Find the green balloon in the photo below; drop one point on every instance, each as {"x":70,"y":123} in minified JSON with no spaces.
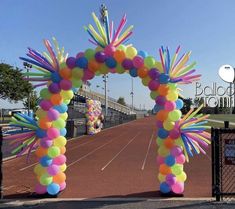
{"x":63,"y":65}
{"x":153,"y":94}
{"x":53,"y":152}
{"x":45,"y":94}
{"x":104,"y":69}
{"x":89,"y":53}
{"x":149,"y":62}
{"x":76,"y":83}
{"x":177,"y":169}
{"x":45,"y":179}
{"x":59,"y":123}
{"x":122,"y":47}
{"x":120,"y":69}
{"x":174,"y":115}
{"x":77,"y":73}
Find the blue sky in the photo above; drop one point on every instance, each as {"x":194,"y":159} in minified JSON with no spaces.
{"x":204,"y":27}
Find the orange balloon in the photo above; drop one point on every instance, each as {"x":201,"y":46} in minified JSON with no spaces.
{"x":40,"y":152}
{"x":169,"y":143}
{"x":93,"y":66}
{"x":119,"y":56}
{"x":62,"y":150}
{"x":56,"y":99}
{"x":65,"y":73}
{"x":163,"y":89}
{"x":162,"y":115}
{"x":142,"y":72}
{"x":44,"y":123}
{"x":164,"y":169}
{"x":59,"y":178}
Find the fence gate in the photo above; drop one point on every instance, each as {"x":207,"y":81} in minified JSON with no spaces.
{"x":223,"y":163}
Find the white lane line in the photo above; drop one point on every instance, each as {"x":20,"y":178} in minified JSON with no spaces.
{"x":79,"y":145}
{"x":145,"y":159}
{"x":22,"y":169}
{"x":119,"y":152}
{"x":84,"y":156}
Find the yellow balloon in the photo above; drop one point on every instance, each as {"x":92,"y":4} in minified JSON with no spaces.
{"x":60,"y":141}
{"x":64,"y":116}
{"x":163,"y":151}
{"x":161,"y":177}
{"x":131,"y":52}
{"x":168,"y":125}
{"x":172,"y":96}
{"x":67,"y":95}
{"x":39,"y":170}
{"x":63,"y":167}
{"x":181,"y":177}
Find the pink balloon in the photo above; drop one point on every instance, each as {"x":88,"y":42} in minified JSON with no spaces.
{"x":160,"y":100}
{"x":53,"y":114}
{"x":59,"y":160}
{"x":176,"y":151}
{"x":88,"y":75}
{"x":62,"y":186}
{"x":109,"y":50}
{"x":80,"y":54}
{"x":178,"y":187}
{"x":65,"y":84}
{"x":112,"y":70}
{"x":169,"y":105}
{"x":45,"y":105}
{"x":53,"y":133}
{"x":180,"y":159}
{"x":40,"y":189}
{"x":174,"y":134}
{"x":138,"y":61}
{"x":46,"y":142}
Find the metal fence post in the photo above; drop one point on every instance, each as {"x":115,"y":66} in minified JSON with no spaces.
{"x":213,"y":161}
{"x":1,"y":176}
{"x":217,"y":164}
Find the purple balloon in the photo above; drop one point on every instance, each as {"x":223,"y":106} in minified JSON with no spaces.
{"x":45,"y":105}
{"x":160,"y":100}
{"x":138,"y":61}
{"x":40,"y":189}
{"x":127,"y":64}
{"x":100,"y":57}
{"x":65,"y":84}
{"x":71,"y":62}
{"x":45,"y":142}
{"x":176,"y":151}
{"x":54,"y":88}
{"x":53,"y":114}
{"x":53,"y":169}
{"x":159,"y":124}
{"x":174,"y":134}
{"x":154,"y":73}
{"x":153,"y":85}
{"x":170,"y":179}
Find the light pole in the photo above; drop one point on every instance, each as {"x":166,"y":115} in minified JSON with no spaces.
{"x":132,"y":95}
{"x":27,"y":66}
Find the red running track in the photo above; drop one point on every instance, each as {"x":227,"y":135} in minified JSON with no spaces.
{"x":119,"y":161}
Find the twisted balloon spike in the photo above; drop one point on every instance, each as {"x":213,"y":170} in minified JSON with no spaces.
{"x":194,"y":136}
{"x":46,"y":63}
{"x":23,"y":141}
{"x":106,"y":34}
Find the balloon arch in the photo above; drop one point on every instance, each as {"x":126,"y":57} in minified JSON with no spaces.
{"x":177,"y":136}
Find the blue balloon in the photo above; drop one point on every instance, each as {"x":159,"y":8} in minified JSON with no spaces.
{"x":63,"y":131}
{"x":55,"y":77}
{"x":40,"y":133}
{"x":142,"y":53}
{"x":162,"y":133}
{"x":45,"y":161}
{"x":133,"y":72}
{"x":157,"y":108}
{"x":82,"y":62}
{"x":170,"y":160}
{"x":53,"y":188}
{"x":164,"y":187}
{"x":179,"y":104}
{"x":164,"y":78}
{"x":111,"y":62}
{"x":61,"y":108}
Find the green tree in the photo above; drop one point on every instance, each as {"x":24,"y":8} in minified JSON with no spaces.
{"x":121,"y":101}
{"x":12,"y":85}
{"x":34,"y":99}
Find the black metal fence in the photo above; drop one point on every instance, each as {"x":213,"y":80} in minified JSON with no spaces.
{"x":223,"y":163}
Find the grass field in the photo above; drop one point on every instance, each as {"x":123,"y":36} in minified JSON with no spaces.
{"x":223,"y":117}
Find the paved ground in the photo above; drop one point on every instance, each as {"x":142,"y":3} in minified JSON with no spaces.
{"x":118,"y":162}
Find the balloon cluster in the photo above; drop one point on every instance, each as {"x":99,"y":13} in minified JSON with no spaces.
{"x":63,"y":75}
{"x":93,"y":115}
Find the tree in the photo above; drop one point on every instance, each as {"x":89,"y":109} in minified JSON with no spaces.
{"x":34,"y":99}
{"x":12,"y":85}
{"x":187,"y":105}
{"x":121,"y":101}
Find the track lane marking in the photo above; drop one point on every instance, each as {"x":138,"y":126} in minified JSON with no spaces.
{"x":145,"y":159}
{"x":89,"y":153}
{"x":119,"y":152}
{"x":22,"y":169}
